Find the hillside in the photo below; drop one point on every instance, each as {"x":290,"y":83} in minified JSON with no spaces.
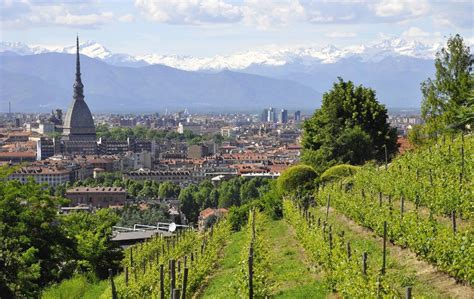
{"x":320,"y":249}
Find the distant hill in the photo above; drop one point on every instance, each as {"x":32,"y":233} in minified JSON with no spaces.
{"x":44,"y":81}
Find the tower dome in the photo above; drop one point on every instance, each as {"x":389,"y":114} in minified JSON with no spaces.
{"x":78,"y":123}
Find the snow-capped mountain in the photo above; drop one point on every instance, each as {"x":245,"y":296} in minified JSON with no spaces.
{"x":394,"y":68}
{"x":269,"y":56}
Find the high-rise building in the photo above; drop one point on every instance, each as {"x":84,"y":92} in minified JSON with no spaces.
{"x":297,"y":116}
{"x":283,"y":118}
{"x":79,"y":134}
{"x":271,"y":115}
{"x":264,"y":116}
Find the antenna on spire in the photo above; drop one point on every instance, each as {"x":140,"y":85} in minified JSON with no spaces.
{"x":78,"y":86}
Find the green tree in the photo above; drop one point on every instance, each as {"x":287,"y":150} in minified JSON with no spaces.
{"x":34,"y":250}
{"x":229,"y":193}
{"x":351,"y":127}
{"x":188,"y":203}
{"x":249,"y":191}
{"x":168,"y":190}
{"x":92,"y":233}
{"x":446,"y":99}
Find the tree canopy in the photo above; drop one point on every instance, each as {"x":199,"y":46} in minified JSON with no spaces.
{"x":447,"y":99}
{"x":350,"y":127}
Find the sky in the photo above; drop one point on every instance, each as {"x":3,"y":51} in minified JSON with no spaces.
{"x":218,"y":27}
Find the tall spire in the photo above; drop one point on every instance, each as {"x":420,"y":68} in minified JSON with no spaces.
{"x":78,"y":86}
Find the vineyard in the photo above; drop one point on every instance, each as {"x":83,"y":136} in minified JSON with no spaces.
{"x":402,"y":230}
{"x":408,"y":195}
{"x":173,"y":267}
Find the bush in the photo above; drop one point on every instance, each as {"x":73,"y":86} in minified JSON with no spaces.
{"x":296,"y":178}
{"x":339,"y":172}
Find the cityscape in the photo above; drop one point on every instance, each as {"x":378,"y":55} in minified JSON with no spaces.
{"x":256,"y":174}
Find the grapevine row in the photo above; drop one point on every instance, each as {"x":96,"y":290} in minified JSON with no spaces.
{"x":344,"y":270}
{"x":452,"y":252}
{"x":437,"y":176}
{"x":156,"y":268}
{"x":252,"y":278}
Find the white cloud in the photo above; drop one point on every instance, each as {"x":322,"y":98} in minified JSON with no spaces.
{"x":394,"y":8}
{"x":265,"y":14}
{"x":189,"y":11}
{"x":126,"y":18}
{"x":26,"y":13}
{"x":415,"y":32}
{"x":340,"y":34}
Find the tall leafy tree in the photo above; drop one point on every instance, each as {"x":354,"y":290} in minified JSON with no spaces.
{"x":188,"y":203}
{"x":34,"y":250}
{"x":350,"y":127}
{"x":447,"y":103}
{"x":168,"y":190}
{"x":92,"y":233}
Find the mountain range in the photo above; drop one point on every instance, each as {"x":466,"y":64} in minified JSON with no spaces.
{"x":294,"y":77}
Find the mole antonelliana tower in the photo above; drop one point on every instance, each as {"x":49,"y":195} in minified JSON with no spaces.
{"x":79,"y":134}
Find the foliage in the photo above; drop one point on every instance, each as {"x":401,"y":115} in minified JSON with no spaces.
{"x":34,"y":251}
{"x":339,"y":172}
{"x":428,"y":238}
{"x":447,"y":104}
{"x":298,"y":177}
{"x":140,"y":132}
{"x":132,"y":214}
{"x":351,"y":127}
{"x":77,"y":287}
{"x":187,"y":203}
{"x":437,"y":176}
{"x":91,"y":233}
{"x":328,"y":249}
{"x":143,"y":262}
{"x":168,"y":190}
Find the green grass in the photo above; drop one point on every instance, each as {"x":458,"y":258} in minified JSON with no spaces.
{"x":289,"y":269}
{"x":289,"y":272}
{"x":77,"y":287}
{"x":220,"y":285}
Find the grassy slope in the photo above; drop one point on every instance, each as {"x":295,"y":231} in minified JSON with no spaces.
{"x":290,"y":273}
{"x":220,"y":285}
{"x":76,"y":287}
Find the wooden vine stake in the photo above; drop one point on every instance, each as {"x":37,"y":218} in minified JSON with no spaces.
{"x":408,"y":294}
{"x":384,"y":258}
{"x":112,"y":284}
{"x":327,"y":207}
{"x":126,"y":276}
{"x":349,"y":253}
{"x":380,"y":199}
{"x":453,"y":217}
{"x":185,"y":282}
{"x":402,"y":205}
{"x":172,"y":278}
{"x":251,"y":271}
{"x":386,"y":157}
{"x":175,"y":294}
{"x":364,"y":263}
{"x":162,"y":282}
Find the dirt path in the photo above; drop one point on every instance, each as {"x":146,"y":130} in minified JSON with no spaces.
{"x":425,"y":272}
